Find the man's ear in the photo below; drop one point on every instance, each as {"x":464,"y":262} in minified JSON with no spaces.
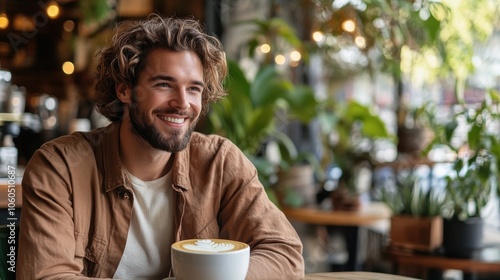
{"x":123,"y":92}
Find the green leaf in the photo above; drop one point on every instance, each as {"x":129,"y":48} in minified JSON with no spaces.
{"x":356,"y":111}
{"x":449,"y":130}
{"x":474,"y":136}
{"x":374,"y":127}
{"x":268,"y":87}
{"x":433,"y":27}
{"x":303,"y":103}
{"x":287,"y":148}
{"x":236,"y":83}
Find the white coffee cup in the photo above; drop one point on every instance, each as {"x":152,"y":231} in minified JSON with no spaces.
{"x":210,"y":259}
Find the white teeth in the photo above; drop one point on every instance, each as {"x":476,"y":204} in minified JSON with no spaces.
{"x":174,"y":120}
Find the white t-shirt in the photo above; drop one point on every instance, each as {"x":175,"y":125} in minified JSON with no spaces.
{"x":147,"y":252}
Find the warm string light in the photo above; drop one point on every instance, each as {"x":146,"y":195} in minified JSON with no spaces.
{"x":53,"y":10}
{"x":295,"y":56}
{"x":4,"y":21}
{"x":68,"y":68}
{"x":265,"y":48}
{"x":360,"y":42}
{"x":318,"y":36}
{"x":280,"y":59}
{"x":348,"y":26}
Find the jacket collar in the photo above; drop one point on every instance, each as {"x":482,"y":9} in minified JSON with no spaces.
{"x":108,"y":152}
{"x":107,"y":145}
{"x":180,"y":168}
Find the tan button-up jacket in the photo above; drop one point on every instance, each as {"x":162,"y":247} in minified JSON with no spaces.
{"x":77,"y":204}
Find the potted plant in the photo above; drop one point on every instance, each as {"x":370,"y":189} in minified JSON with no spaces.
{"x":350,"y":130}
{"x":473,"y":177}
{"x":416,"y":222}
{"x":253,"y":114}
{"x":415,"y":133}
{"x":469,"y":187}
{"x":248,"y":117}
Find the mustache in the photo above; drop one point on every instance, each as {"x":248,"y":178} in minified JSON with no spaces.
{"x":182,"y":113}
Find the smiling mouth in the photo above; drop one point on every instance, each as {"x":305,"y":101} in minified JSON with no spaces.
{"x":172,"y":120}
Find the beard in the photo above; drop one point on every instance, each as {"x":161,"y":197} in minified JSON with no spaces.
{"x":174,"y":142}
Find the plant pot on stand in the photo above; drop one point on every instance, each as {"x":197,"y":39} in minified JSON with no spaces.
{"x":462,"y":238}
{"x":423,"y":234}
{"x":344,"y":199}
{"x":296,"y":186}
{"x":413,"y":140}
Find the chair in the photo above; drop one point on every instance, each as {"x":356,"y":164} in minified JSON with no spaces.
{"x":8,"y":251}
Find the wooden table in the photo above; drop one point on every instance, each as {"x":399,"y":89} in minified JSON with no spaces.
{"x":346,"y":222}
{"x":354,"y":276}
{"x":485,"y":260}
{"x":369,"y":214}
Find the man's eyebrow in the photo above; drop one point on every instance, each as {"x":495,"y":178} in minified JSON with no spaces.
{"x":172,"y":79}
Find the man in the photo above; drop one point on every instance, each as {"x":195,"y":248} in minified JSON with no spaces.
{"x":110,"y":202}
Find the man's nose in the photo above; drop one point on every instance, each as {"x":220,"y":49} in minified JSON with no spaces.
{"x":180,"y":99}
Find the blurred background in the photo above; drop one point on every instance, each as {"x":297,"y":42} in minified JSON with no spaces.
{"x":326,"y":97}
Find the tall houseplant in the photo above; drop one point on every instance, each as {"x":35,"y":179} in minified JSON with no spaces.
{"x":349,"y":130}
{"x":248,"y":117}
{"x":473,"y":178}
{"x":258,"y":106}
{"x":472,"y":134}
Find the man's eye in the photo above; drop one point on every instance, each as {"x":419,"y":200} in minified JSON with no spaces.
{"x":163,"y":85}
{"x":197,"y":89}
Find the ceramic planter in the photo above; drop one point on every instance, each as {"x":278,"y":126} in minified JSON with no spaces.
{"x":299,"y":180}
{"x":462,"y":238}
{"x":413,"y":140}
{"x":344,"y":200}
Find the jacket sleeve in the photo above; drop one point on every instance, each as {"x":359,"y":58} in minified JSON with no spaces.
{"x":47,"y":237}
{"x":247,"y":214}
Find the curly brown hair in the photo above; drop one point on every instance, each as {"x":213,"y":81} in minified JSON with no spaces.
{"x":124,"y":59}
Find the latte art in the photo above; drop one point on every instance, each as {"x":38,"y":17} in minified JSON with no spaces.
{"x":210,"y":259}
{"x":207,"y":245}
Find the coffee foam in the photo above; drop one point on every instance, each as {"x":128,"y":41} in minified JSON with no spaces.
{"x":209,"y":245}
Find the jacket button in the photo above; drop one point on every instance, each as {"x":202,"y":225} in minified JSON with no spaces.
{"x":123,"y":193}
